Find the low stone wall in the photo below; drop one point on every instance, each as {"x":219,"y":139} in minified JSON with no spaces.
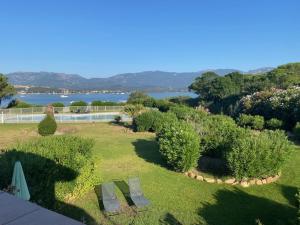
{"x":232,"y":181}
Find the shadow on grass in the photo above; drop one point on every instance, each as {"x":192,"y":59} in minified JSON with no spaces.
{"x":289,"y":193}
{"x":41,"y":175}
{"x":169,"y":219}
{"x":148,"y":150}
{"x":124,"y":188}
{"x":238,"y":207}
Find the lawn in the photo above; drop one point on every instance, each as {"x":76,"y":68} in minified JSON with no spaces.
{"x":176,"y":199}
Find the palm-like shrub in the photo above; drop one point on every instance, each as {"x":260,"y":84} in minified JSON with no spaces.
{"x":258,"y":155}
{"x":179,"y":145}
{"x":47,"y":126}
{"x":133,"y":110}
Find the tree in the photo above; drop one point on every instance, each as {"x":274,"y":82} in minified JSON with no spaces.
{"x":6,"y":90}
{"x":139,"y":97}
{"x":133,"y":110}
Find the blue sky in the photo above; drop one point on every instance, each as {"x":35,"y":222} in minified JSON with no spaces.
{"x":101,"y":38}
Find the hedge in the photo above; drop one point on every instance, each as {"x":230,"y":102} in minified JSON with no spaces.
{"x":57,"y":168}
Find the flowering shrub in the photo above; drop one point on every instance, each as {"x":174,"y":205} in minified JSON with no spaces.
{"x":274,"y":103}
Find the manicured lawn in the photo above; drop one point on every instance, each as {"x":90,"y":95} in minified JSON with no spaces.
{"x":176,"y":199}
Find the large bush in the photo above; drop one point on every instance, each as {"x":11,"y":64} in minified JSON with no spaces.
{"x":258,"y":155}
{"x":217,"y":133}
{"x":253,"y":122}
{"x":179,"y":145}
{"x":47,"y":126}
{"x":56,"y":168}
{"x":274,"y":124}
{"x":152,"y":121}
{"x":187,"y":113}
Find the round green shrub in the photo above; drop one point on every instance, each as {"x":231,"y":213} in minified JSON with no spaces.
{"x":179,"y":145}
{"x":57,"y":168}
{"x":152,"y":121}
{"x":274,"y":124}
{"x":58,"y":104}
{"x":144,"y":121}
{"x":253,"y":122}
{"x":217,"y":133}
{"x":47,"y":126}
{"x":258,"y":155}
{"x":79,"y":103}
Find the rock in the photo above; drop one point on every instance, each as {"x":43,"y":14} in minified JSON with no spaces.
{"x":186,"y":173}
{"x":264,"y":181}
{"x":244,"y":184}
{"x":199,"y":178}
{"x":269,"y":180}
{"x":276,"y":177}
{"x":252,"y":182}
{"x":235,"y":183}
{"x":219,"y":181}
{"x":209,"y":180}
{"x":190,"y":174}
{"x":230,"y":181}
{"x":259,"y":182}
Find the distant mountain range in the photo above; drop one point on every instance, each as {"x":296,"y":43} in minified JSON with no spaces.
{"x":147,"y":81}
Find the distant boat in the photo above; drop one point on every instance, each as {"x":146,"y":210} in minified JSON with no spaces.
{"x":64,"y":96}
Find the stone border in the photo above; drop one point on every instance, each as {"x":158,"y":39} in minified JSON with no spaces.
{"x":233,"y":181}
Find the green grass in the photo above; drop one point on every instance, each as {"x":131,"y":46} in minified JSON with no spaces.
{"x":176,"y":199}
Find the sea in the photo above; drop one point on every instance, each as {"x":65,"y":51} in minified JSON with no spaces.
{"x":45,"y":99}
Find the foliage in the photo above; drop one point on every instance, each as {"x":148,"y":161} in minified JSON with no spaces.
{"x":179,"y":145}
{"x":217,"y":132}
{"x":139,"y":97}
{"x":221,"y":93}
{"x":274,"y":103}
{"x":297,"y":130}
{"x":79,"y":103}
{"x":187,"y":113}
{"x":163,"y":105}
{"x":6,"y":90}
{"x":133,"y":110}
{"x":15,"y":103}
{"x":258,"y":155}
{"x":58,"y":104}
{"x":253,"y":122}
{"x":103,"y":103}
{"x":47,"y":126}
{"x":152,"y":120}
{"x":274,"y":124}
{"x":56,"y":168}
{"x":185,"y":100}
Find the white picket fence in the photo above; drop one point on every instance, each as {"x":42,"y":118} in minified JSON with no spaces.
{"x":63,"y":114}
